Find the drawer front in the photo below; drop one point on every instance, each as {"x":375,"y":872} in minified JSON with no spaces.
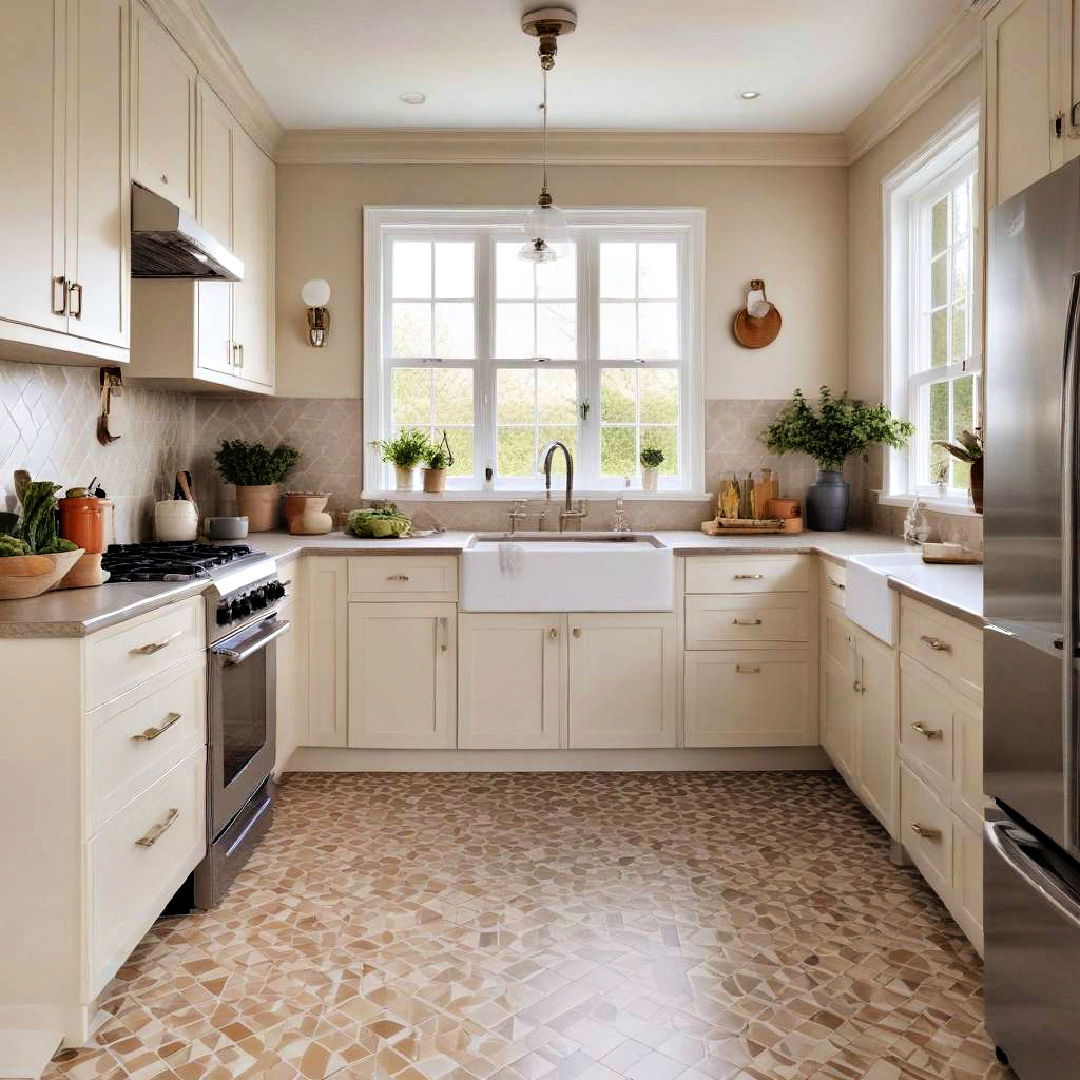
{"x":926,"y":722}
{"x":838,"y":638}
{"x":926,"y":830}
{"x":750,"y":699}
{"x":124,"y":656}
{"x":741,"y":574}
{"x":139,"y":859}
{"x":943,"y":644}
{"x":139,"y":737}
{"x":833,"y":582}
{"x":412,"y":577}
{"x":714,"y":622}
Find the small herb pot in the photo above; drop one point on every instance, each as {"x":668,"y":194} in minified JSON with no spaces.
{"x":259,"y":504}
{"x":434,"y":481}
{"x":650,"y":477}
{"x":403,"y":475}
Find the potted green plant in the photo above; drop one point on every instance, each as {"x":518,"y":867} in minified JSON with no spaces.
{"x":968,"y":448}
{"x":257,"y":471}
{"x":438,"y":457}
{"x":838,"y":428}
{"x":405,"y":451}
{"x":651,"y":458}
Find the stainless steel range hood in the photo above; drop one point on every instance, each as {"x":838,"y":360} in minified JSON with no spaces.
{"x":167,"y":242}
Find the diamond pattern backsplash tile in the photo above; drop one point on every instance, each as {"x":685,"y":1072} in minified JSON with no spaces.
{"x":48,"y":418}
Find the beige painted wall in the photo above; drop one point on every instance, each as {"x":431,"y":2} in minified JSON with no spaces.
{"x":866,"y":252}
{"x":785,"y":224}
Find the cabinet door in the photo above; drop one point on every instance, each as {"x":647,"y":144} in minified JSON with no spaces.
{"x":512,"y":685}
{"x":215,"y":189}
{"x":33,"y":69}
{"x":403,"y":675}
{"x":163,"y":112}
{"x":326,"y":608}
{"x":1022,"y":95}
{"x":253,"y":238}
{"x":876,"y":765}
{"x":1071,"y":63}
{"x":838,"y":716}
{"x":622,"y":680}
{"x":99,"y":186}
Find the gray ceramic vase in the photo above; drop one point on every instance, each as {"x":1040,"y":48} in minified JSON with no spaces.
{"x":827,"y":501}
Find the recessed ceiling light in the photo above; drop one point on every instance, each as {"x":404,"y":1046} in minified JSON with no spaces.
{"x":748,"y":95}
{"x":414,"y":97}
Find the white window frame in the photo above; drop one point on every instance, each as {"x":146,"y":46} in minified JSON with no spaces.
{"x":907,"y":192}
{"x":589,"y":227}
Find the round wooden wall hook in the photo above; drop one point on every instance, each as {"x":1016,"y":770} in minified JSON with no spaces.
{"x":757,"y":324}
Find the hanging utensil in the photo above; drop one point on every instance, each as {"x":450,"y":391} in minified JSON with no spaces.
{"x":110,"y":380}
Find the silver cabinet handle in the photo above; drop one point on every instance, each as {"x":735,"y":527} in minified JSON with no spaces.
{"x":749,"y":577}
{"x":398,"y":577}
{"x":241,"y":348}
{"x":930,"y":733}
{"x":159,"y":830}
{"x":926,"y":832}
{"x":553,"y":633}
{"x":75,"y":292}
{"x":152,"y":733}
{"x":837,"y":584}
{"x":935,"y":643}
{"x":152,"y":647}
{"x":747,"y":669}
{"x":746,"y":622}
{"x":234,"y":353}
{"x":444,"y":634}
{"x":60,"y":294}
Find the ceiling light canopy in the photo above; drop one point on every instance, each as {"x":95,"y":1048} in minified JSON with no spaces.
{"x":413,"y":97}
{"x":748,"y":95}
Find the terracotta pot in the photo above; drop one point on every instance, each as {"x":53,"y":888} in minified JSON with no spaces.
{"x":404,"y":477}
{"x":259,"y":504}
{"x":293,"y":506}
{"x":82,"y":521}
{"x":975,"y":484}
{"x":434,"y":481}
{"x":313,"y":519}
{"x":649,"y":478}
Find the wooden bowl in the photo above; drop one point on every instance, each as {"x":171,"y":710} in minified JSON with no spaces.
{"x":22,"y":576}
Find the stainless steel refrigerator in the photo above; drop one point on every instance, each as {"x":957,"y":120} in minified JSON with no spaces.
{"x":1032,"y":867}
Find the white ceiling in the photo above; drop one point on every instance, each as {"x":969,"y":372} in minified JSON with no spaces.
{"x":632,"y":64}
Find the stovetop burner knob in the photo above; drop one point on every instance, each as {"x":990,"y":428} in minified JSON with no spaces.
{"x":224,"y":614}
{"x":259,"y":599}
{"x":241,"y":608}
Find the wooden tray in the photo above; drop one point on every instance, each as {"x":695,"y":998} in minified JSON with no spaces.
{"x":752,"y":526}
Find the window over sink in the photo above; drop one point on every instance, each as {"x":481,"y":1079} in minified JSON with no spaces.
{"x":600,"y":349}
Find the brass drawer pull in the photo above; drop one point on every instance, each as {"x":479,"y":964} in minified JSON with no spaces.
{"x":747,"y":669}
{"x":152,"y":647}
{"x":60,"y":294}
{"x":926,"y":832}
{"x":577,"y":631}
{"x":749,"y":577}
{"x":746,"y":622}
{"x":152,"y":733}
{"x":75,"y":293}
{"x":553,"y":633}
{"x":859,"y":686}
{"x":935,"y":643}
{"x":398,"y":577}
{"x":837,"y":584}
{"x":930,"y":733}
{"x":159,"y":830}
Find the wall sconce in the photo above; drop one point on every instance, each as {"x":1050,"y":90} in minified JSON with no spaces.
{"x":316,"y":295}
{"x":757,"y":324}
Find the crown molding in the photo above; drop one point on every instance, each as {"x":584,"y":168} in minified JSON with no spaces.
{"x":959,"y":41}
{"x":515,"y":147}
{"x":190,"y":23}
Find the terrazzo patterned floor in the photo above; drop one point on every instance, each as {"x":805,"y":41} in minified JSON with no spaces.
{"x":739,"y":926}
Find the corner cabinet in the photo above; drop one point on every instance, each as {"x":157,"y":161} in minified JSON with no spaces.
{"x":65,"y":195}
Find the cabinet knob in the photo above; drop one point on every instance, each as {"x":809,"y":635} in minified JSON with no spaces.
{"x":935,"y":643}
{"x":577,"y":631}
{"x":922,"y":729}
{"x":926,"y":832}
{"x":164,"y":178}
{"x":859,"y":686}
{"x":553,"y":633}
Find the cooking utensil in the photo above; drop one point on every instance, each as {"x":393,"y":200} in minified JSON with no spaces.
{"x":110,"y":380}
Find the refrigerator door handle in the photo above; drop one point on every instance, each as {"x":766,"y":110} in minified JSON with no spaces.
{"x":1068,"y":564}
{"x":1048,"y":886}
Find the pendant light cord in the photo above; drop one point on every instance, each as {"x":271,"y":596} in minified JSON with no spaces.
{"x":543,"y":165}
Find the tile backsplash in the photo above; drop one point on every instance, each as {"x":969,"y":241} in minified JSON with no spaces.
{"x":48,"y":419}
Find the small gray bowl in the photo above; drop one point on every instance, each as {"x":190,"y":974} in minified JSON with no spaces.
{"x":226,"y":528}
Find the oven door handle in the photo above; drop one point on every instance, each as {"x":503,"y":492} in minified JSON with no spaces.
{"x":274,"y":629}
{"x":1051,"y":889}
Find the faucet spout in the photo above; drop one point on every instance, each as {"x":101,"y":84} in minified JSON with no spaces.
{"x":548,"y":455}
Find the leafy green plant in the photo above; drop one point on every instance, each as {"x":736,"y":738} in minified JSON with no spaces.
{"x":837,"y":429}
{"x":379,"y":521}
{"x":651,"y":457}
{"x":37,"y":527}
{"x":253,"y":464}
{"x":406,"y":449}
{"x":967,"y":448}
{"x":439,"y":455}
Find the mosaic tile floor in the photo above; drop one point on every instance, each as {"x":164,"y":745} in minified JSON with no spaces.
{"x":739,"y":926}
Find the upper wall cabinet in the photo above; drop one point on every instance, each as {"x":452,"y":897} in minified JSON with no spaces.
{"x":65,"y":195}
{"x":163,"y":112}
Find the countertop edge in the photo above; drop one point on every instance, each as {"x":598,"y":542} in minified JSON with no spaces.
{"x":947,"y":607}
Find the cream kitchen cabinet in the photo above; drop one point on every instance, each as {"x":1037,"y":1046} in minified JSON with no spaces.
{"x":402,"y":675}
{"x":326,"y":633}
{"x":163,"y":112}
{"x":65,"y":195}
{"x":291,"y":671}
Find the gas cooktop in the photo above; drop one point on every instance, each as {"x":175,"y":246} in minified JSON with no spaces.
{"x":170,"y":561}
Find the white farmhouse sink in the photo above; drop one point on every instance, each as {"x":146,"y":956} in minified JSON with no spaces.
{"x":567,"y":572}
{"x":868,"y":600}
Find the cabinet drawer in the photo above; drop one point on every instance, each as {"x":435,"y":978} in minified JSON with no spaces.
{"x":124,"y":656}
{"x":139,"y":859}
{"x":833,"y":582}
{"x":139,"y":737}
{"x":738,"y":574}
{"x":412,"y":577}
{"x":749,"y":699}
{"x":943,"y":644}
{"x":926,"y":722}
{"x":714,"y":622}
{"x":926,"y":830}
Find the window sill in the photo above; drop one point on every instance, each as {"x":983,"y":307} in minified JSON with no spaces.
{"x":933,"y":503}
{"x":534,"y":494}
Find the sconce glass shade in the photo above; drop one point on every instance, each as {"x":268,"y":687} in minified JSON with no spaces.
{"x":316,"y":293}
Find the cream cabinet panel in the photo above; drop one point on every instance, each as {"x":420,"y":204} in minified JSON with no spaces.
{"x":966,"y":900}
{"x":326,"y":617}
{"x":718,"y":622}
{"x":926,"y":722}
{"x":944,"y":644}
{"x":833,"y":582}
{"x":512,"y":681}
{"x":163,"y":112}
{"x":969,"y":800}
{"x":403,"y":675}
{"x":1023,"y":50}
{"x":214,"y":347}
{"x":1072,"y":61}
{"x":750,"y":574}
{"x":291,"y":690}
{"x":622,"y":680}
{"x":749,"y":699}
{"x":838,"y":717}
{"x":876,"y":734}
{"x":926,"y":830}
{"x":217,"y":134}
{"x":405,"y":577}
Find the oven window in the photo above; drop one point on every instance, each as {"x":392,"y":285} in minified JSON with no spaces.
{"x":244,"y":711}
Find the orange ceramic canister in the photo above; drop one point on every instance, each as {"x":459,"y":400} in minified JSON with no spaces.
{"x":82,"y":521}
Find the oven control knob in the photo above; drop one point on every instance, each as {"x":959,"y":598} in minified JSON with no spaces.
{"x":224,"y":614}
{"x":241,"y":608}
{"x":279,"y":590}
{"x":259,"y":599}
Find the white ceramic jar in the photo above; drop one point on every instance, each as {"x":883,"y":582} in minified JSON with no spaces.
{"x":176,"y":519}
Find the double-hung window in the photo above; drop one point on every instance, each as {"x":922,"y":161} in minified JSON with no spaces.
{"x":599,"y":349}
{"x":934,"y":316}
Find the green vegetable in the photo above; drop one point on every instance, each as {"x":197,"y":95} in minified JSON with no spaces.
{"x":37,"y":523}
{"x":253,"y":464}
{"x":11,"y":545}
{"x":378,"y":522}
{"x":58,"y":547}
{"x":406,"y":449}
